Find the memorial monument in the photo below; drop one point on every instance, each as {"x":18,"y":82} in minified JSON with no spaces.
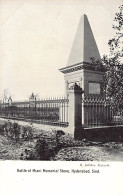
{"x":79,"y":67}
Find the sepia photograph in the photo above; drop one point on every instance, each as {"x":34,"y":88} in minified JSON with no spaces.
{"x":61,"y":80}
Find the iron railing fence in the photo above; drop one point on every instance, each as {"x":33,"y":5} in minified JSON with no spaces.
{"x":48,"y":111}
{"x":98,"y":111}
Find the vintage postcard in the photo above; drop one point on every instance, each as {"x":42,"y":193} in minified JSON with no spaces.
{"x":61,"y":97}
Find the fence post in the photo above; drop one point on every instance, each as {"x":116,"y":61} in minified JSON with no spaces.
{"x":75,"y":111}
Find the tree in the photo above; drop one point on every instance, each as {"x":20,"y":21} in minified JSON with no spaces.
{"x":114,"y":63}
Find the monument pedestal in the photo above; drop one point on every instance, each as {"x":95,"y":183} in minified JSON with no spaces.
{"x":75,"y":111}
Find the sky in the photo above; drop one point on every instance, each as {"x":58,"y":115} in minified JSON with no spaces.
{"x":36,"y":37}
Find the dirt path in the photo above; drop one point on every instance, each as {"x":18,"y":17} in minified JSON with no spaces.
{"x":90,"y":153}
{"x":87,"y":151}
{"x":9,"y":150}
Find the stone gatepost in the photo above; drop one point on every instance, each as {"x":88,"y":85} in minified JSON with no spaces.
{"x":75,"y":111}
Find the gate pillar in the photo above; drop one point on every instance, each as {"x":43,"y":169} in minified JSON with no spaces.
{"x":75,"y":111}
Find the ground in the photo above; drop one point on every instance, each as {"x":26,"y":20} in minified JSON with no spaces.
{"x":70,"y":149}
{"x":91,"y":153}
{"x":10,"y":150}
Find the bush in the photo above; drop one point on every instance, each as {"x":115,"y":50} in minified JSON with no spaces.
{"x":48,"y":145}
{"x":11,"y":130}
{"x":16,"y":131}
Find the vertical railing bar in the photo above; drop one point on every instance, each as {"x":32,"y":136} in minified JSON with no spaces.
{"x":45,"y":120}
{"x":67,"y":109}
{"x":110,"y":111}
{"x":106,"y":113}
{"x":64,"y":109}
{"x":99,"y":111}
{"x":52,"y":110}
{"x":88,"y":107}
{"x":61,"y":112}
{"x":104,"y":118}
{"x":93,"y":111}
{"x":58,"y":108}
{"x":46,"y":111}
{"x":90,"y":112}
{"x":96,"y":123}
{"x":40,"y":111}
{"x":55,"y":111}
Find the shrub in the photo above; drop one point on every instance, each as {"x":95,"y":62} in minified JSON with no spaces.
{"x":48,"y":145}
{"x":16,"y":131}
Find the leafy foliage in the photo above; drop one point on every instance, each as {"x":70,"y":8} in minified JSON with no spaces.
{"x":48,"y":145}
{"x":116,"y":43}
{"x":114,"y":63}
{"x":16,"y":131}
